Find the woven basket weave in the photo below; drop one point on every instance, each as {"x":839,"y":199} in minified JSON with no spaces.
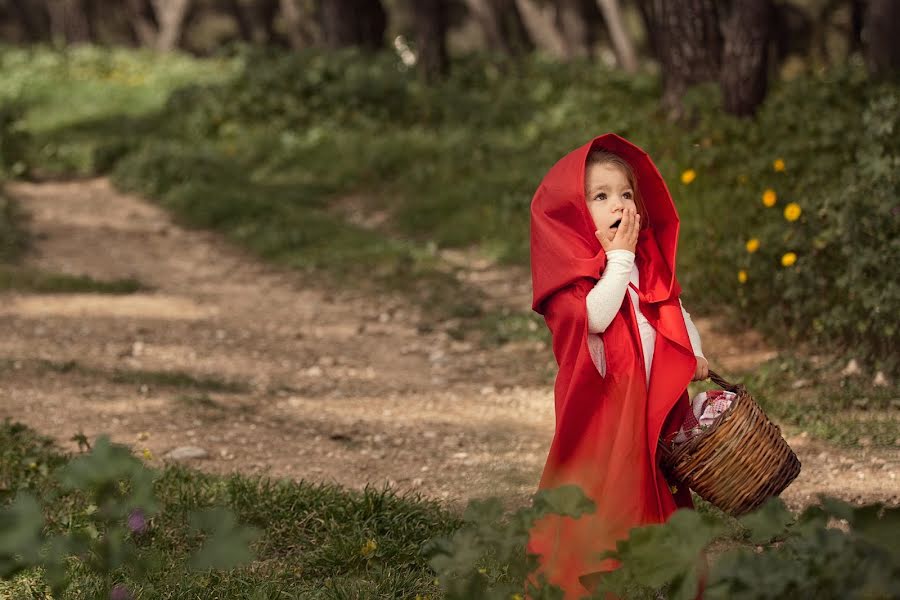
{"x":739,"y":461}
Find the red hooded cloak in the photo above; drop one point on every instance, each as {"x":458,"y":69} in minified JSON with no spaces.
{"x":607,"y":427}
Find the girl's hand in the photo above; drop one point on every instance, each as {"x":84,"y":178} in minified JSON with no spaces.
{"x":702,"y":371}
{"x":626,"y":235}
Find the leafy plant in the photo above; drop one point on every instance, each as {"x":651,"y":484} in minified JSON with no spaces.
{"x":106,"y":535}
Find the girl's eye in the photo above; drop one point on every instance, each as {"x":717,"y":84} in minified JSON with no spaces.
{"x":600,"y":196}
{"x":626,"y":195}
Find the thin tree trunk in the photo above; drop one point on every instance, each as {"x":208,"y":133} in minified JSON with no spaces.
{"x":301,"y":32}
{"x":744,"y":73}
{"x":576,"y":34}
{"x":881,"y":40}
{"x":540,"y":21}
{"x":172,"y":17}
{"x":502,"y":24}
{"x":622,"y":43}
{"x":70,"y":21}
{"x":431,"y":34}
{"x":244,"y":23}
{"x":353,"y":23}
{"x":854,"y":34}
{"x":143,"y":22}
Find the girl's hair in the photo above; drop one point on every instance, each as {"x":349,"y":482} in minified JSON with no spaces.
{"x":604,"y":157}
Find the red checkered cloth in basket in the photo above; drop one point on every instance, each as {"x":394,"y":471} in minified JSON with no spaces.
{"x":705,"y":408}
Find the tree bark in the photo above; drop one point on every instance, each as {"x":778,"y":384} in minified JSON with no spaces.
{"x":688,"y":46}
{"x":70,"y":21}
{"x":622,"y":44}
{"x":570,"y":20}
{"x":243,"y":20}
{"x":502,"y":25}
{"x":33,"y":18}
{"x":143,"y":22}
{"x":171,"y":15}
{"x":302,"y":28}
{"x":881,"y":40}
{"x":431,"y":34}
{"x":353,"y":23}
{"x":744,"y":73}
{"x":854,"y":34}
{"x":540,"y":21}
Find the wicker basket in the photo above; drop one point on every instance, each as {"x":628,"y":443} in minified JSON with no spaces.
{"x":739,"y":461}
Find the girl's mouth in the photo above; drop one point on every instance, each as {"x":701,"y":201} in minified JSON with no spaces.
{"x":616,"y":224}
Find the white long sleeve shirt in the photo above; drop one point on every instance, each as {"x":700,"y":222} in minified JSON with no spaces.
{"x":605,"y":300}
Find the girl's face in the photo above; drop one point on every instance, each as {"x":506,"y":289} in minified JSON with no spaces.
{"x":607,"y":192}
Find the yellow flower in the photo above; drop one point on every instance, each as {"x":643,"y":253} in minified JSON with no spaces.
{"x":516,"y":597}
{"x":788,"y":259}
{"x":742,"y":276}
{"x":688,"y":176}
{"x":792,"y":211}
{"x":368,"y":549}
{"x":769,"y":197}
{"x":483,"y":571}
{"x":147,"y":454}
{"x":752,"y":245}
{"x":778,"y":165}
{"x":673,"y":488}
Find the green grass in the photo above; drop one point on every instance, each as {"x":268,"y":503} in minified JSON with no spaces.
{"x":310,"y":548}
{"x":12,"y":232}
{"x":137,"y":377}
{"x":813,"y":396}
{"x":177,"y":379}
{"x":849,"y":411}
{"x":42,"y":282}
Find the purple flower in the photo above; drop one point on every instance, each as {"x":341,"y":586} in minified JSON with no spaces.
{"x":137,"y":521}
{"x":120,"y":592}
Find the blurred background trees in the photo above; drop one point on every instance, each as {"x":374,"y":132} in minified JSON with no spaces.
{"x":739,"y":44}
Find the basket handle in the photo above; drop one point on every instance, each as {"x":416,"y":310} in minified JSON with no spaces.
{"x":719,"y":380}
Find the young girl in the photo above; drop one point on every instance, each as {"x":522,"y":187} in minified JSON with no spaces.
{"x":603,"y":223}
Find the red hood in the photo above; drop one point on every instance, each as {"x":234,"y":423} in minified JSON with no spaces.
{"x":563,"y":245}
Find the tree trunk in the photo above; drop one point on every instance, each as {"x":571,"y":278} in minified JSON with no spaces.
{"x":143,"y":22}
{"x":854,"y":34}
{"x":622,"y":43}
{"x":171,"y":16}
{"x":881,"y":40}
{"x":570,"y":20}
{"x":540,"y":21}
{"x":688,"y":44}
{"x":744,"y":75}
{"x":431,"y":35}
{"x":353,"y":23}
{"x":243,"y":20}
{"x":302,"y":28}
{"x":502,"y":25}
{"x":70,"y":21}
{"x":33,"y":18}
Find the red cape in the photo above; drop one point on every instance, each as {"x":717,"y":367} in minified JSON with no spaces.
{"x":606,"y":427}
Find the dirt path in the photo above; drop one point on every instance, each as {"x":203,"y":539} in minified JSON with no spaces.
{"x":290,"y":380}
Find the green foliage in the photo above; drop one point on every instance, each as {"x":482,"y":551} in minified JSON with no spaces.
{"x":33,"y":280}
{"x":485,"y":558}
{"x":266,"y":145}
{"x":12,"y":235}
{"x":806,"y":558}
{"x":13,"y":140}
{"x":812,"y":394}
{"x":315,"y":541}
{"x":112,"y":494}
{"x":846,"y":184}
